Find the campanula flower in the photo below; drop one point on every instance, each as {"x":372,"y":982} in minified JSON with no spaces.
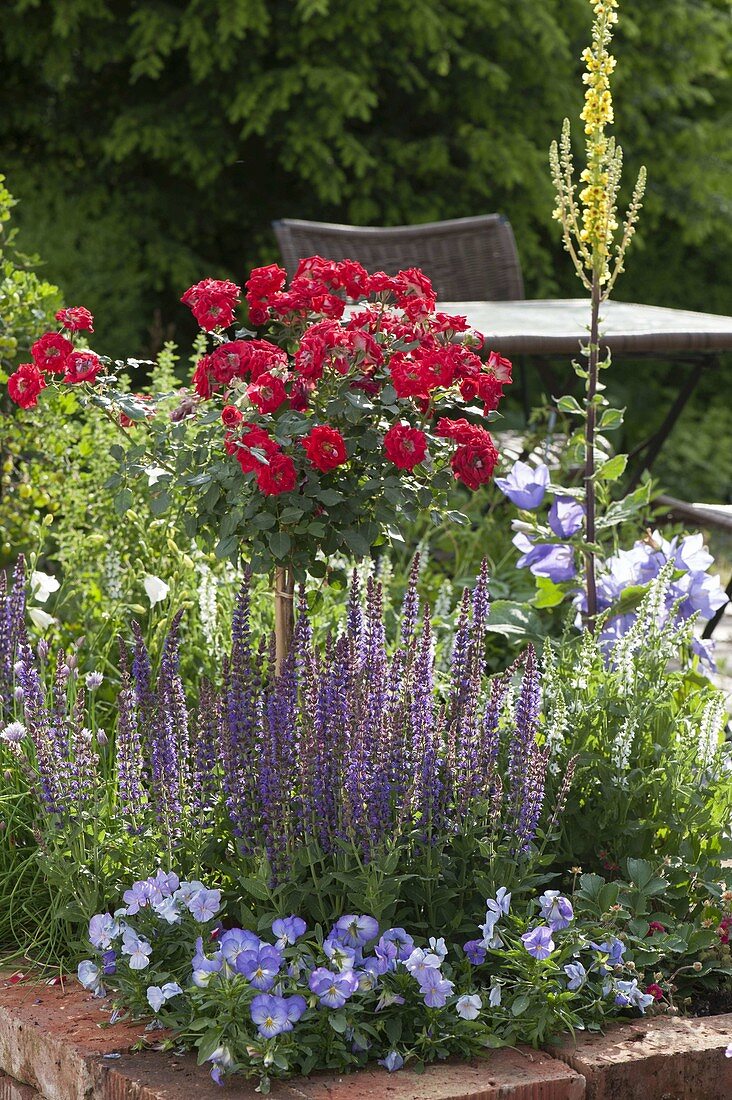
{"x":554,"y":561}
{"x":525,"y":485}
{"x":468,"y":1006}
{"x":566,"y":516}
{"x":270,"y":1015}
{"x":538,"y":942}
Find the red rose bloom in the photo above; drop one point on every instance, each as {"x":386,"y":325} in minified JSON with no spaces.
{"x":473,"y":463}
{"x":655,"y":991}
{"x":325,"y":447}
{"x":230,"y":361}
{"x":231,"y":416}
{"x":267,"y":393}
{"x":410,"y":378}
{"x":202,"y":377}
{"x":213,"y":302}
{"x":501,"y":367}
{"x":76,"y":319}
{"x":459,"y":430}
{"x":252,"y":438}
{"x":51,"y":352}
{"x":82,"y":366}
{"x":279,"y":476}
{"x":262,"y":285}
{"x":25,"y":385}
{"x":404,"y":446}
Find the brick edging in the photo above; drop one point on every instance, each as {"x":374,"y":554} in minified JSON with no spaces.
{"x":52,"y":1047}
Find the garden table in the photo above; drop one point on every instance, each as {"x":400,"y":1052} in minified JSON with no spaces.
{"x":556,"y":327}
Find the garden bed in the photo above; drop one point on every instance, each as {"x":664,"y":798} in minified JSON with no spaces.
{"x":54,"y":1045}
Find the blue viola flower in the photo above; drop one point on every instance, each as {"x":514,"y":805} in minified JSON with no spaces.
{"x":288,"y":930}
{"x":333,"y":989}
{"x":260,"y":967}
{"x":538,"y":942}
{"x":355,"y":931}
{"x":393,"y":1061}
{"x":270,"y":1014}
{"x":556,"y":910}
{"x":576,"y":974}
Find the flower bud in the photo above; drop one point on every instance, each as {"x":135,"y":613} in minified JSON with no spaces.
{"x":697,"y":966}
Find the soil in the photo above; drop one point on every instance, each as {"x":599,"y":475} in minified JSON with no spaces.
{"x":714,"y":1003}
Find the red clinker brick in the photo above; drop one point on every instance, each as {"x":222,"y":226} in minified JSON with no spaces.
{"x":13,"y":1090}
{"x":504,"y":1075}
{"x":50,"y":1039}
{"x":660,"y":1058}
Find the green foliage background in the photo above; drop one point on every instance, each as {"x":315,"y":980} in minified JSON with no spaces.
{"x":152,"y":144}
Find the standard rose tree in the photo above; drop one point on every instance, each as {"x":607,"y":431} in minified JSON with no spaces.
{"x":323,"y":432}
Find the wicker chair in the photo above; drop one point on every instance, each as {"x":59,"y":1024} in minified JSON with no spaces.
{"x":467,"y":259}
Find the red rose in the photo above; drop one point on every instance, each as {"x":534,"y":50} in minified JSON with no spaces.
{"x":51,"y":352}
{"x":252,"y":439}
{"x":213,"y":302}
{"x":202,"y":377}
{"x":300,"y":394}
{"x":410,"y":378}
{"x":231,"y":415}
{"x":501,"y":367}
{"x":262,"y":284}
{"x":325,"y":447}
{"x":267,"y":393}
{"x":279,"y":476}
{"x":263,"y":356}
{"x":230,"y":361}
{"x":404,"y":446}
{"x":473,"y":463}
{"x":76,"y":319}
{"x":82,"y":366}
{"x":459,"y":430}
{"x":655,"y":991}
{"x":25,"y":385}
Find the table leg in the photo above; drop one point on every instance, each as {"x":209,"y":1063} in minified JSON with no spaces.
{"x":657,"y":440}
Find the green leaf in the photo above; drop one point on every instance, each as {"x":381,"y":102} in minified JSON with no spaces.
{"x":280,"y":544}
{"x":520,"y":1004}
{"x":548,"y":594}
{"x":338,"y":1021}
{"x":356,"y":543}
{"x":569,"y":404}
{"x":610,"y":419}
{"x":329,"y":497}
{"x":122,"y":501}
{"x":613,"y":468}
